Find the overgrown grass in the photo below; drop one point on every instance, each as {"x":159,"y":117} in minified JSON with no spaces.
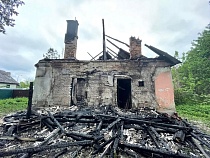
{"x":12,"y":105}
{"x":199,"y":113}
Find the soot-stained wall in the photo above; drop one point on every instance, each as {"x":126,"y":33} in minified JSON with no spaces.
{"x":65,"y":82}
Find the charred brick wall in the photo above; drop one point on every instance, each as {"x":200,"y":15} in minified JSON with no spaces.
{"x":66,"y":82}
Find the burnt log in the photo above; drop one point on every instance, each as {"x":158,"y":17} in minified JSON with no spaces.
{"x":103,"y":145}
{"x":45,"y":147}
{"x":141,"y":149}
{"x":56,"y":122}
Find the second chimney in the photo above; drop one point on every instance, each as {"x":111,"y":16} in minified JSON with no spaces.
{"x":71,"y":39}
{"x":135,"y":48}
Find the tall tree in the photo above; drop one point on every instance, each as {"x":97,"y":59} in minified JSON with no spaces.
{"x":7,"y":11}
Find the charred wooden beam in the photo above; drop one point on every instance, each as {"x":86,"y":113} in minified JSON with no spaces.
{"x":112,"y":51}
{"x":104,"y":42}
{"x":45,"y":147}
{"x":112,"y":54}
{"x":96,"y":55}
{"x":75,"y":153}
{"x":162,"y":152}
{"x":141,"y":121}
{"x":91,"y":56}
{"x":118,"y":41}
{"x":158,"y":137}
{"x":11,"y":129}
{"x":200,"y":147}
{"x":113,"y":44}
{"x":103,"y":145}
{"x":21,"y":138}
{"x":106,"y":149}
{"x":157,"y":144}
{"x":115,"y":145}
{"x":200,"y":139}
{"x":86,"y":136}
{"x":129,"y":152}
{"x":111,"y":125}
{"x":63,"y":151}
{"x":56,"y":122}
{"x":51,"y":135}
{"x":137,"y":121}
{"x":28,"y":114}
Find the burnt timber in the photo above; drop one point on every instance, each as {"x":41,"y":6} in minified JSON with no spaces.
{"x":101,"y":131}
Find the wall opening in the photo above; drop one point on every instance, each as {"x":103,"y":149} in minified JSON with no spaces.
{"x":141,"y":83}
{"x":78,"y":93}
{"x":124,"y":93}
{"x":80,"y":96}
{"x":73,"y":91}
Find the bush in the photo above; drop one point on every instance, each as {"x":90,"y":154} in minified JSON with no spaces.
{"x":182,"y":96}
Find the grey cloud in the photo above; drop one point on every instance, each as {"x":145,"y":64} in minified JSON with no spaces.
{"x":14,"y":42}
{"x":20,"y":52}
{"x":16,"y":62}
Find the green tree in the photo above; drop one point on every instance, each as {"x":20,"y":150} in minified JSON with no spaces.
{"x":191,"y":78}
{"x":51,"y":54}
{"x":7,"y":11}
{"x":195,"y":70}
{"x":25,"y":84}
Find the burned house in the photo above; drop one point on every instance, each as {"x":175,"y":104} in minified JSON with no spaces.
{"x":131,"y":80}
{"x":107,"y":108}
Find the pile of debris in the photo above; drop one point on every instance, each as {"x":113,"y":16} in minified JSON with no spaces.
{"x":103,"y":131}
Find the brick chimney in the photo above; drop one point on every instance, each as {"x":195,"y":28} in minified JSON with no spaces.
{"x":135,"y":48}
{"x":71,"y":39}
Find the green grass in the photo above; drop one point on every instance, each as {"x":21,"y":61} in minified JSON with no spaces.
{"x":12,"y":105}
{"x":199,"y":113}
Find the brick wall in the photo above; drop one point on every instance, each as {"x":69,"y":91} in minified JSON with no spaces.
{"x":55,"y":86}
{"x":70,"y":49}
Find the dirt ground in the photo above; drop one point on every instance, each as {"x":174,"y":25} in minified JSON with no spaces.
{"x":201,"y":126}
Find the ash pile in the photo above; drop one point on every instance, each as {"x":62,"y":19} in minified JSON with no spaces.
{"x":104,"y":131}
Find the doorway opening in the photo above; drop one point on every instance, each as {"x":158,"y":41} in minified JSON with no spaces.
{"x":124,"y":93}
{"x":78,"y":93}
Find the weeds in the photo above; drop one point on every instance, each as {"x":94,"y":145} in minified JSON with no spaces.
{"x":195,"y":113}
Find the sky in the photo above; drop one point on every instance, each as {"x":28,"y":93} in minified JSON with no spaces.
{"x":41,"y":24}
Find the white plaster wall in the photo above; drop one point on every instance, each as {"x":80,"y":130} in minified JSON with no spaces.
{"x":12,"y":86}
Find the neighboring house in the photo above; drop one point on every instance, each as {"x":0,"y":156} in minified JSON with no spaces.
{"x":129,"y":80}
{"x":6,"y":81}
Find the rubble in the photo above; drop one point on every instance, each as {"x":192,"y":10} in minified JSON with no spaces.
{"x":102,"y":131}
